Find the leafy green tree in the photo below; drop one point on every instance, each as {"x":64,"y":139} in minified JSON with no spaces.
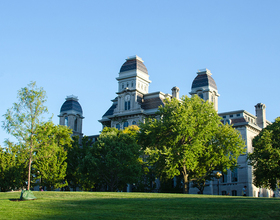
{"x":13,"y":169}
{"x":265,"y":158}
{"x":186,"y":137}
{"x":114,"y":160}
{"x":50,"y":156}
{"x":24,"y":117}
{"x":75,"y":156}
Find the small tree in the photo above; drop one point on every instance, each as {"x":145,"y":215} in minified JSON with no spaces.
{"x":265,"y":158}
{"x":24,"y":117}
{"x":187,"y":138}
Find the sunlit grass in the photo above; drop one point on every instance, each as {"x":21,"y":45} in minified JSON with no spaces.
{"x":105,"y":205}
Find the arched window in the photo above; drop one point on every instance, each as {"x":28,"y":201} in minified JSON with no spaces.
{"x":125,"y":124}
{"x":200,"y":95}
{"x":134,"y":123}
{"x":75,"y":124}
{"x":66,"y":121}
{"x":127,"y":105}
{"x":118,"y":126}
{"x":234,"y":193}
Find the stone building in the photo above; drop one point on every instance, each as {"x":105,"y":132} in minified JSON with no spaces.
{"x":134,"y":102}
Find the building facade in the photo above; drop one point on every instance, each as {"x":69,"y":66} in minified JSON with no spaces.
{"x":133,"y":103}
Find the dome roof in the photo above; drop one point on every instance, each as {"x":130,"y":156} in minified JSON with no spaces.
{"x":71,"y":103}
{"x":204,"y":78}
{"x":133,"y":63}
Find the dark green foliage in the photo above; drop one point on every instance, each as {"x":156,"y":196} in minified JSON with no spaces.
{"x":13,"y":168}
{"x":265,"y":158}
{"x":75,"y":156}
{"x":114,"y":160}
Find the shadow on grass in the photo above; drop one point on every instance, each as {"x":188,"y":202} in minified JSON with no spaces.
{"x":61,"y":207}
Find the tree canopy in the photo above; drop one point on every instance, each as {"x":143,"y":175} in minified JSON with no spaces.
{"x":186,"y":137}
{"x":114,"y":160}
{"x":24,"y":117}
{"x":51,"y":154}
{"x":265,"y":158}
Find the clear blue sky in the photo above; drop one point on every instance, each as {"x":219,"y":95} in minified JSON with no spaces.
{"x":77,"y":47}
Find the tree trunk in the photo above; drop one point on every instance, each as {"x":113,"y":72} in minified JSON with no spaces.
{"x":186,"y":181}
{"x":186,"y":184}
{"x":29,"y":173}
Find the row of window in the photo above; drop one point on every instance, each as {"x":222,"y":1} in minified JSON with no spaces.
{"x":231,"y":116}
{"x":233,"y":193}
{"x":125,"y":124}
{"x":127,"y":84}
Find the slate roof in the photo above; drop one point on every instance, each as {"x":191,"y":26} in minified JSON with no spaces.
{"x":110,"y":111}
{"x":203,"y":80}
{"x":133,"y":64}
{"x":71,"y":105}
{"x":152,"y":103}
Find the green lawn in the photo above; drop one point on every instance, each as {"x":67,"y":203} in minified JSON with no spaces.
{"x":104,"y":205}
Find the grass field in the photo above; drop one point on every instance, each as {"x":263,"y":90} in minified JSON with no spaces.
{"x":104,"y":205}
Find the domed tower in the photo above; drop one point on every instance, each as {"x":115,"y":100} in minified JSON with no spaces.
{"x":71,"y":115}
{"x":133,"y":84}
{"x":205,"y":87}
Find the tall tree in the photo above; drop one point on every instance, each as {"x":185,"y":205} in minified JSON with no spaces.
{"x":23,"y":118}
{"x":75,"y":155}
{"x":186,"y":137}
{"x":114,"y":159}
{"x":51,"y":154}
{"x":265,"y":158}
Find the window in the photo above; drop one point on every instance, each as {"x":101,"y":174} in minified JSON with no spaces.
{"x":75,"y":124}
{"x":224,"y":178}
{"x":134,"y":123}
{"x":122,"y":86}
{"x":131,"y":84}
{"x":234,"y":175}
{"x":66,"y":121}
{"x":224,"y":116}
{"x":231,"y":116}
{"x":118,"y":126}
{"x":127,"y":105}
{"x":237,"y":115}
{"x":224,"y":193}
{"x":125,"y":124}
{"x":234,"y":193}
{"x":200,"y":95}
{"x":227,"y":121}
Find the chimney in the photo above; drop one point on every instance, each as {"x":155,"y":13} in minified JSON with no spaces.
{"x":261,"y":115}
{"x":175,"y":92}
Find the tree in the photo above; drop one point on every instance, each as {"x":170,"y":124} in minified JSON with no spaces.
{"x":75,"y":156}
{"x":51,"y":154}
{"x":24,"y":117}
{"x":186,"y":137}
{"x":114,"y":159}
{"x":265,"y":158}
{"x":13,"y":169}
